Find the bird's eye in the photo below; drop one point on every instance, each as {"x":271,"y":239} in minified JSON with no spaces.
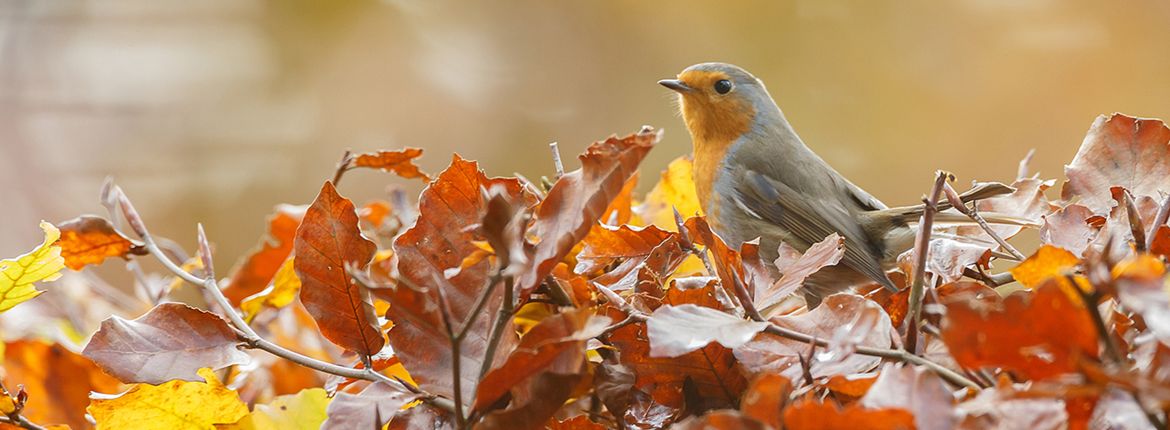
{"x":723,"y":86}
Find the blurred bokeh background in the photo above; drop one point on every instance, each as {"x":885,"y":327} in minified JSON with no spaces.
{"x":214,"y":111}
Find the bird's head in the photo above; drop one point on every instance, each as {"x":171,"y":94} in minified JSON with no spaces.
{"x":719,"y":101}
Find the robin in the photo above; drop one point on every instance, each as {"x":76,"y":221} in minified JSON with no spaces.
{"x":755,"y":178}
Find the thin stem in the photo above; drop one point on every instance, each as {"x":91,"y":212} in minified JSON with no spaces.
{"x":556,"y":156}
{"x":1135,"y":222}
{"x":456,"y":358}
{"x":21,"y":421}
{"x":465,"y":327}
{"x":921,"y":248}
{"x":973,"y":213}
{"x":342,"y":166}
{"x":502,"y":318}
{"x":1090,"y":300}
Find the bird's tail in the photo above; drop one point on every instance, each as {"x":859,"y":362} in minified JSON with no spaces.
{"x":908,"y":214}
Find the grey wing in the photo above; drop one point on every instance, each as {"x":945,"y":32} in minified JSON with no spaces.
{"x":811,"y":222}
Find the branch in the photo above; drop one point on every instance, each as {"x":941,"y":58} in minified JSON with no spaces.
{"x":502,"y":318}
{"x":342,"y":166}
{"x":921,"y":248}
{"x":973,"y":213}
{"x":556,"y":156}
{"x":249,"y":336}
{"x":20,"y":421}
{"x":15,"y":418}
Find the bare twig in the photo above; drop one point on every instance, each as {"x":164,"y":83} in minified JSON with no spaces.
{"x":556,"y":156}
{"x":342,"y":166}
{"x":1023,"y":171}
{"x":1090,"y":299}
{"x":689,"y":246}
{"x":456,"y":358}
{"x":745,"y":299}
{"x":921,"y":248}
{"x":21,"y":421}
{"x":1135,"y":222}
{"x":497,"y":333}
{"x":1159,"y":220}
{"x":989,"y":279}
{"x":14,"y":417}
{"x":247,"y":335}
{"x":973,"y":213}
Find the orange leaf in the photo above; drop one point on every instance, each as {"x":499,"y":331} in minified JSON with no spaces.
{"x":812,"y":415}
{"x":1119,"y":151}
{"x":254,"y":273}
{"x":1048,"y":262}
{"x":1038,"y":334}
{"x":57,"y":380}
{"x":398,"y":162}
{"x":765,"y":398}
{"x":327,"y":242}
{"x":91,"y":239}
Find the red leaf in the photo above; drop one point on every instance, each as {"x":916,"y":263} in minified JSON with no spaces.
{"x":172,"y":341}
{"x":721,"y":420}
{"x":327,"y":242}
{"x":579,"y":198}
{"x":1038,"y":334}
{"x":765,"y":399}
{"x":450,"y":209}
{"x":398,"y":162}
{"x":1119,"y":151}
{"x":257,"y":269}
{"x":91,"y":239}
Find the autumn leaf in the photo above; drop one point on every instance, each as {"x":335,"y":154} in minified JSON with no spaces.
{"x":171,"y":405}
{"x":765,"y":398}
{"x":1003,"y":407}
{"x":1069,"y":228}
{"x":302,"y":411}
{"x":913,"y":389}
{"x":1037,"y":334}
{"x":57,"y":380}
{"x":257,"y":269}
{"x":579,"y":198}
{"x":674,"y":190}
{"x":1046,"y":263}
{"x":400,"y":162}
{"x":378,"y":401}
{"x":814,"y":415}
{"x":1027,"y":202}
{"x":172,"y":341}
{"x":286,"y":286}
{"x":774,"y":354}
{"x":721,"y":420}
{"x":796,"y":267}
{"x":636,"y":255}
{"x":327,"y":242}
{"x":450,"y":209}
{"x":677,"y":330}
{"x":42,"y":264}
{"x":1119,"y":151}
{"x":91,"y":239}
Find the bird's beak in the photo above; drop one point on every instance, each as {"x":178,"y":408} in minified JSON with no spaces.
{"x":675,"y":84}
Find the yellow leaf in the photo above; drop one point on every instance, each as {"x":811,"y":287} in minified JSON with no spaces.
{"x":304,"y":410}
{"x":676,"y":189}
{"x":192,"y":265}
{"x":171,"y":405}
{"x":1047,"y":262}
{"x":285,"y":287}
{"x":42,"y":264}
{"x":1145,"y":266}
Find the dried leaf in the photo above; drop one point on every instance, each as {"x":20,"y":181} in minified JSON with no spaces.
{"x":257,"y":269}
{"x":302,"y":411}
{"x":765,"y":398}
{"x":286,"y":286}
{"x":1119,"y":151}
{"x":1026,"y":202}
{"x":606,"y":245}
{"x":57,"y":380}
{"x":1068,"y":228}
{"x":91,"y":239}
{"x":812,"y":415}
{"x":774,"y":354}
{"x":579,"y":422}
{"x":172,"y":405}
{"x":578,"y":199}
{"x":1048,"y":262}
{"x":172,"y":341}
{"x":721,"y":420}
{"x":1001,"y":408}
{"x":19,"y":275}
{"x":450,"y":209}
{"x":400,"y":162}
{"x":359,"y":411}
{"x":914,"y":389}
{"x":547,"y":393}
{"x":677,"y":330}
{"x":1037,"y":334}
{"x":797,"y":267}
{"x":675,"y":190}
{"x":327,"y":242}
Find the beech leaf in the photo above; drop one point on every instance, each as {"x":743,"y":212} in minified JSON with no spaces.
{"x":327,"y":242}
{"x":677,"y":330}
{"x":256,"y":270}
{"x":19,"y":275}
{"x":91,"y":239}
{"x":400,"y":162}
{"x":358,"y":411}
{"x":797,"y":267}
{"x":172,"y":341}
{"x":1119,"y":151}
{"x":171,"y":405}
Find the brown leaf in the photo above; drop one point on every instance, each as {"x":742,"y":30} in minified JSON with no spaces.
{"x":813,"y":415}
{"x":58,"y":381}
{"x":712,"y":369}
{"x":172,"y":341}
{"x":1119,"y":151}
{"x":362,"y":411}
{"x":578,"y":199}
{"x":327,"y":242}
{"x":765,"y":399}
{"x":721,"y":420}
{"x":547,"y":393}
{"x":797,"y":267}
{"x":606,"y":245}
{"x":422,"y":417}
{"x":775,"y":354}
{"x":257,"y":269}
{"x":914,"y":389}
{"x":1004,"y":408}
{"x":1026,"y":202}
{"x":400,"y":162}
{"x":579,"y":422}
{"x":678,"y":330}
{"x":556,"y":345}
{"x":1069,"y":228}
{"x":91,"y":239}
{"x":450,"y":209}
{"x":1037,"y":334}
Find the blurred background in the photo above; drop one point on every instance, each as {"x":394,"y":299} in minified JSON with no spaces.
{"x":214,"y":111}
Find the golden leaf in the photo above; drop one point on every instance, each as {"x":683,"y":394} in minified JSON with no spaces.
{"x":172,"y":405}
{"x":285,"y":287}
{"x":42,"y":264}
{"x":304,"y":410}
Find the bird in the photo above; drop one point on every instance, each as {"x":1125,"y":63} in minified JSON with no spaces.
{"x":755,"y":178}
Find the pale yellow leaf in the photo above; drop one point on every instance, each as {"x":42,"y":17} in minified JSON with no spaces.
{"x":172,"y":405}
{"x":676,"y":190}
{"x":301,"y":411}
{"x":285,"y":287}
{"x":42,"y":264}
